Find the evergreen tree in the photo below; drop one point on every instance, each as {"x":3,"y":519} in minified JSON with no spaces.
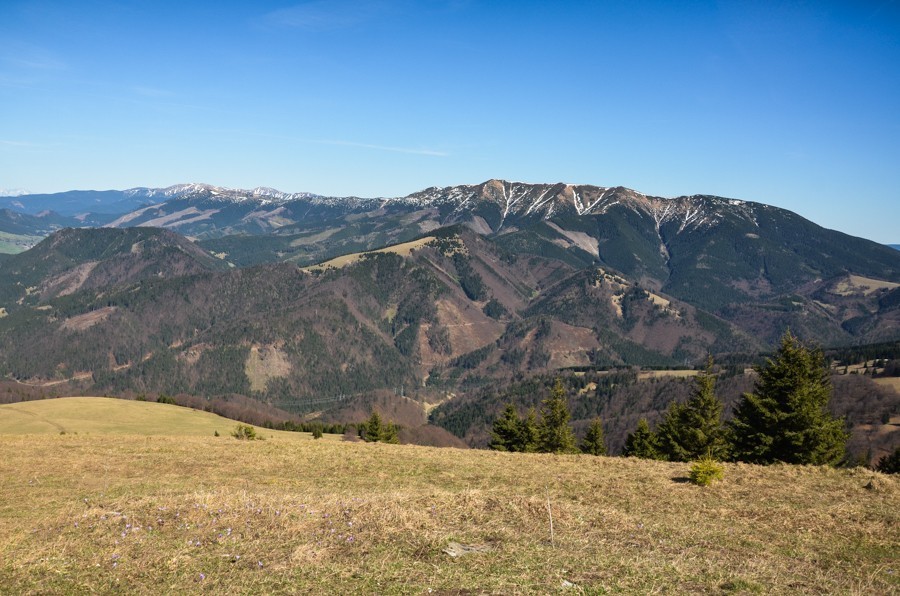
{"x":694,"y":429}
{"x":555,"y":433}
{"x":389,"y":433}
{"x":511,"y":433}
{"x":786,"y":418}
{"x":642,"y":442}
{"x":505,"y":433}
{"x":376,"y":430}
{"x":528,"y":438}
{"x":593,"y":443}
{"x":372,"y":429}
{"x":890,"y":464}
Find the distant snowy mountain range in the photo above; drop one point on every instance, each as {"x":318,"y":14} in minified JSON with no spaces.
{"x":491,"y":203}
{"x":204,"y":210}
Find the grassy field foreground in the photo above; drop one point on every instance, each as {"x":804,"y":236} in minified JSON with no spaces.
{"x":164,"y":514}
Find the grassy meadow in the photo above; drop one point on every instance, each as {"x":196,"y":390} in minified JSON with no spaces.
{"x":108,"y":416}
{"x":189,"y":512}
{"x":403,"y":249}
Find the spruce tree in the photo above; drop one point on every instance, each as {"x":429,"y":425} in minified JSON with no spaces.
{"x":505,"y":433}
{"x":786,"y":418}
{"x":555,"y":433}
{"x":593,"y":443}
{"x":642,"y":442}
{"x":528,"y":438}
{"x":389,"y":433}
{"x":694,"y":429}
{"x":372,"y":429}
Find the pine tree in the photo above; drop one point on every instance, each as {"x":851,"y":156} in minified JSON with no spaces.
{"x":372,"y":429}
{"x":555,"y":433}
{"x":593,"y":443}
{"x":694,"y":429}
{"x":786,"y":418}
{"x":528,"y":438}
{"x":505,"y":433}
{"x":389,"y":433}
{"x":376,"y":430}
{"x":642,"y":442}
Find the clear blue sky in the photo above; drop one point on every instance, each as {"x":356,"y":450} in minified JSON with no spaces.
{"x":795,"y":104}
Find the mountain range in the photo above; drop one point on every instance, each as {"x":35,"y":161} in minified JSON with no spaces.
{"x":307,"y":303}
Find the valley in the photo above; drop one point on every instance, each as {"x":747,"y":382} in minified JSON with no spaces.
{"x":302,"y":307}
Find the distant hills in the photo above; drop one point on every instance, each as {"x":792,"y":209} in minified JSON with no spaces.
{"x":202,"y":290}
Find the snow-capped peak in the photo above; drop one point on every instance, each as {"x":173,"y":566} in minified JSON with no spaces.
{"x":13,"y":192}
{"x":199,"y":190}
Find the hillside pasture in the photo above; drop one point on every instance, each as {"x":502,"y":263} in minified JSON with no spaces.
{"x":107,"y":416}
{"x":646,"y":375}
{"x":403,"y":250}
{"x":892,"y":382}
{"x":152,"y":514}
{"x":16,"y":243}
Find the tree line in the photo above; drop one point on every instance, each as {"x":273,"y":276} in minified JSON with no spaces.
{"x":784,"y":419}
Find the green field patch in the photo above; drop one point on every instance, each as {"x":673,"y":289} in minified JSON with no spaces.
{"x":107,"y":416}
{"x":12,"y":244}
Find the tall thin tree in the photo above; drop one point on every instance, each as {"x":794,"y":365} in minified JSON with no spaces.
{"x":556,"y":435}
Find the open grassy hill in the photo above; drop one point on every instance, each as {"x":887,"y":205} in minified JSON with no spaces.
{"x":102,"y":415}
{"x":190,"y":514}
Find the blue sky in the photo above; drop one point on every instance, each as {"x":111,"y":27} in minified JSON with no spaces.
{"x":796,"y":104}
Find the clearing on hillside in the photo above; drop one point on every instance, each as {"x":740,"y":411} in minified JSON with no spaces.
{"x":108,"y":416}
{"x":856,"y":284}
{"x":342,"y":261}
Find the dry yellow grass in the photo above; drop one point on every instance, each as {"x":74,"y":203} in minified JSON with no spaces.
{"x":265,"y":363}
{"x":856,"y":284}
{"x":342,"y":261}
{"x":103,"y":415}
{"x":144,"y":514}
{"x":892,"y":382}
{"x":658,"y":374}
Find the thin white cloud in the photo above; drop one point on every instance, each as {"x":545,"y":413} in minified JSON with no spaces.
{"x":29,"y":57}
{"x":325,"y":15}
{"x":20,"y":147}
{"x":409,"y":150}
{"x":19,"y":144}
{"x":334,"y":142}
{"x":151,"y":91}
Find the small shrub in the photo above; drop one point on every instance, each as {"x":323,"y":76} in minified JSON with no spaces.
{"x":245,"y":432}
{"x":216,"y":433}
{"x":705,"y":471}
{"x":317,"y":432}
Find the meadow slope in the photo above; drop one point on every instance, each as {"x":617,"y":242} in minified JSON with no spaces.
{"x":153,"y":514}
{"x":110,"y":416}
